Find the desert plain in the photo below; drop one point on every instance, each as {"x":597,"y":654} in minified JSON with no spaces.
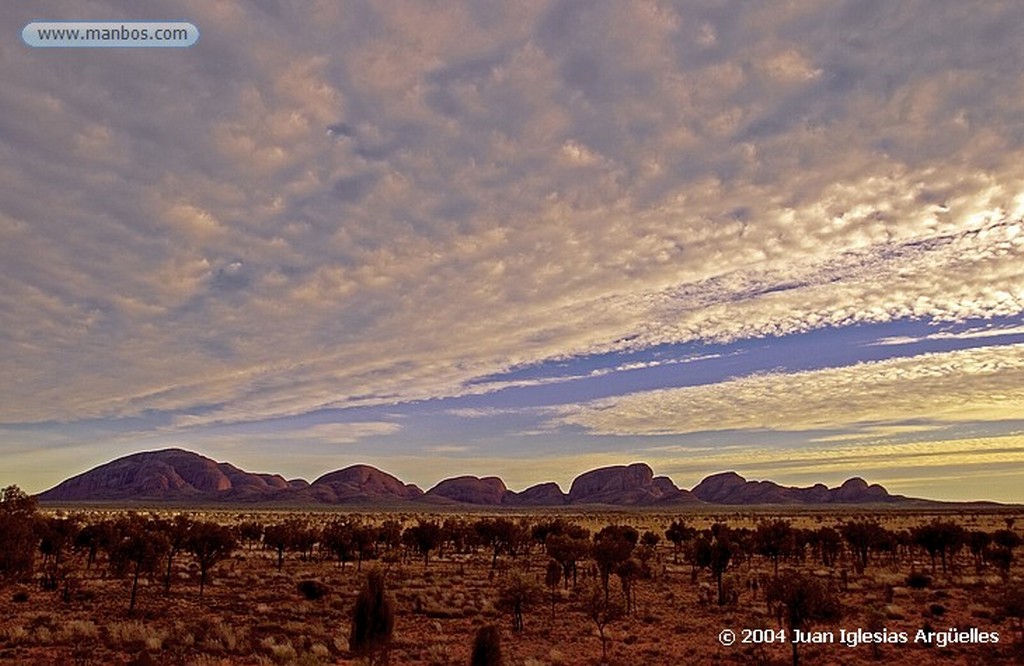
{"x":284,"y":588}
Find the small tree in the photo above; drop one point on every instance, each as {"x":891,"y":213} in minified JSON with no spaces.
{"x":501,"y":535}
{"x":56,"y":536}
{"x":567,"y":549}
{"x":517,"y":594}
{"x":602,"y":612}
{"x":487,"y":647}
{"x":678,"y":533}
{"x":364,"y":541}
{"x":425,"y":536}
{"x":715,"y":554}
{"x":373,"y":620}
{"x":862,"y":537}
{"x":1006,"y":539}
{"x":613,"y":545}
{"x":137,"y":549}
{"x":1001,"y":558}
{"x":176,"y":532}
{"x":552,"y":577}
{"x":805,"y":601}
{"x":278,"y":538}
{"x":774,"y":539}
{"x":829,"y":544}
{"x":17,"y":538}
{"x":978,"y":541}
{"x":94,"y":537}
{"x":209,"y":543}
{"x":339,"y":539}
{"x":251,"y":532}
{"x":628,"y":572}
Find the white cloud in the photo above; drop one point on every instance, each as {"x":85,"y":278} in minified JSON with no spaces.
{"x":970,"y":334}
{"x":554,"y":181}
{"x":983,"y":384}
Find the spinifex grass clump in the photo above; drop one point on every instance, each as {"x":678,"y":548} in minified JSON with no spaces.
{"x":312,"y":589}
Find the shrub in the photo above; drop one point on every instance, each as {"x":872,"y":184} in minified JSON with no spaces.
{"x":487,"y":647}
{"x":313,"y":589}
{"x":1011,"y":604}
{"x":373,"y":620}
{"x":918,"y":580}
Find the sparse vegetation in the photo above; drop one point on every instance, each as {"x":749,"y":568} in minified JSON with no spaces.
{"x":73,"y":601}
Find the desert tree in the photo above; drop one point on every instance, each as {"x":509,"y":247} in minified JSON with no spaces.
{"x":678,"y":533}
{"x":803,"y":601}
{"x":339,"y":539}
{"x":862,"y":537}
{"x":715,"y":554}
{"x":18,"y":539}
{"x":177,"y":531}
{"x":1001,"y":558}
{"x":601,"y":612}
{"x":364,"y":542}
{"x":278,"y":538}
{"x":540,"y":530}
{"x":1006,"y":539}
{"x":209,"y":543}
{"x":304,"y":538}
{"x":612,"y":546}
{"x":568,"y":547}
{"x":389,"y":534}
{"x":552,"y":577}
{"x":977,"y":542}
{"x":56,"y":536}
{"x":629,"y":572}
{"x":517,"y":594}
{"x":942,"y":538}
{"x":457,"y":534}
{"x":487,"y":647}
{"x":250,"y":532}
{"x":137,"y":549}
{"x":424,"y":536}
{"x":774,"y":540}
{"x":500,"y":535}
{"x":373,"y":620}
{"x":828,"y":543}
{"x":93,"y":538}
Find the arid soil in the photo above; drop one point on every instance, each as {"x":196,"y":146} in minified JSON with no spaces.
{"x":252,"y":613}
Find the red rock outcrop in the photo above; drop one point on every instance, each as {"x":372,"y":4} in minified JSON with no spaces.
{"x":488,"y":491}
{"x":731,"y":488}
{"x":625,"y":484}
{"x":361,"y":483}
{"x":542,"y":494}
{"x":164,"y":474}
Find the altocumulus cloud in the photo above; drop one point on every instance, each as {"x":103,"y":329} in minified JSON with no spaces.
{"x":982,"y":384}
{"x":336,"y":205}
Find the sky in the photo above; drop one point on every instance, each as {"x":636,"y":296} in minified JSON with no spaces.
{"x":523,"y":239}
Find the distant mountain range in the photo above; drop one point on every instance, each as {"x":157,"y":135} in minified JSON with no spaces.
{"x":176,"y":475}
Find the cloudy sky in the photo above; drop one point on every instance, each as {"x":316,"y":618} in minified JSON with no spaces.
{"x":521,"y":238}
